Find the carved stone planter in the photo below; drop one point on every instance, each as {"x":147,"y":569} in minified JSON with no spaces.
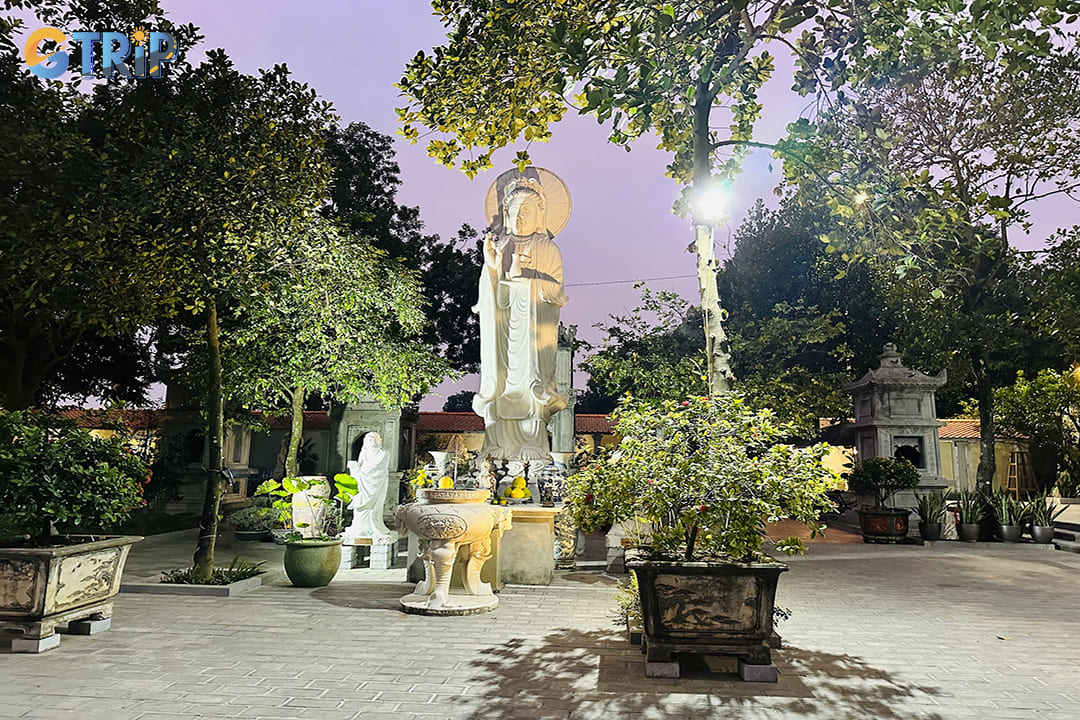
{"x":881,"y":525}
{"x":41,"y":588}
{"x":707,"y":607}
{"x":445,"y":520}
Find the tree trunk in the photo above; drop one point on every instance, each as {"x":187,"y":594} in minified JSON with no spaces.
{"x":984,"y":475}
{"x":203,"y":566}
{"x":717,"y":358}
{"x":296,"y":433}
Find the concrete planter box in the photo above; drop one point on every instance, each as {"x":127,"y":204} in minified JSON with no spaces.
{"x":41,"y":588}
{"x":707,"y":607}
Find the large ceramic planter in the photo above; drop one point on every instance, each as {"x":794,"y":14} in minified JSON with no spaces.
{"x":967,"y":532}
{"x":1010,"y":533}
{"x":722,"y":608}
{"x":41,"y":588}
{"x":1042,"y":534}
{"x":930,"y":531}
{"x":881,"y":525}
{"x":312,"y":563}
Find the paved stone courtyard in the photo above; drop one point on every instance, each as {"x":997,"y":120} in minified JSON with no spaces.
{"x":951,"y":631}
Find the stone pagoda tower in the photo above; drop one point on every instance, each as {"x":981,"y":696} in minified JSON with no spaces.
{"x":896,"y":416}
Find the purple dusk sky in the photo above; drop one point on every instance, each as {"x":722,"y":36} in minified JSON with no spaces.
{"x":622,"y":227}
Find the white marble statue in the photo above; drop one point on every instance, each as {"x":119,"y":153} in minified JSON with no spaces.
{"x":521,"y":293}
{"x":371,"y":470}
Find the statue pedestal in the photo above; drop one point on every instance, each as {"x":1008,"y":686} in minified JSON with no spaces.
{"x":528,"y":549}
{"x":382,"y":551}
{"x":444,"y":521}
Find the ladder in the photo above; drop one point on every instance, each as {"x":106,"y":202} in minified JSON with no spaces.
{"x":1021,"y":479}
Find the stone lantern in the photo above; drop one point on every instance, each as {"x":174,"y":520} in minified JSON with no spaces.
{"x":896,"y":416}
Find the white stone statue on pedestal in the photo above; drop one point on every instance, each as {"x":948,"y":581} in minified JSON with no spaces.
{"x":521,"y":293}
{"x":371,"y":470}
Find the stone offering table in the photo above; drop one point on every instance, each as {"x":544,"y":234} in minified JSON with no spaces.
{"x":445,"y":520}
{"x":528,"y":551}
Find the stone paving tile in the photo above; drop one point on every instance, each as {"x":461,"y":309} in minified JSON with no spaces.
{"x":889,"y":633}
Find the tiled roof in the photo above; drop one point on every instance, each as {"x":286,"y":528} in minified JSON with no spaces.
{"x":959,"y":429}
{"x":450,"y":422}
{"x":467,"y":422}
{"x":156,"y":419}
{"x":131,"y":418}
{"x":592,"y":424}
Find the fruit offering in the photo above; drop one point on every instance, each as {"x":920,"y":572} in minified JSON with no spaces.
{"x":517,"y":490}
{"x":446,"y":482}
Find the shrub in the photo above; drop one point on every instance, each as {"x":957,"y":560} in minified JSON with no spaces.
{"x":55,"y":474}
{"x":703,"y":476}
{"x":882,"y":478}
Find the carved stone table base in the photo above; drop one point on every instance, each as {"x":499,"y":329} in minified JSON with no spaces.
{"x":456,"y":603}
{"x":444,"y":521}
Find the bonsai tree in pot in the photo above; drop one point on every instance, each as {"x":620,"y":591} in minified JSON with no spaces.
{"x":701,"y":478}
{"x":57,"y":479}
{"x":313,"y":546}
{"x":881,"y":478}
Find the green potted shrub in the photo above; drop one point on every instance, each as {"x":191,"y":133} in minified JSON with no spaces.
{"x":312,"y":549}
{"x":254,"y":523}
{"x":1010,"y":514}
{"x":59,"y":487}
{"x":1042,"y":512}
{"x":699,"y":479}
{"x":969,"y":509}
{"x":881,"y":478}
{"x":931,"y":508}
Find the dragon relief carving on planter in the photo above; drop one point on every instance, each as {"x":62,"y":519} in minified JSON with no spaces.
{"x":692,"y":603}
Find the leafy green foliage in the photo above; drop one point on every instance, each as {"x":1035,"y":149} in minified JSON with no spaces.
{"x":340,"y":320}
{"x":55,"y":474}
{"x":1041,"y":511}
{"x":328,"y":511}
{"x":1007,"y":509}
{"x":882,"y":478}
{"x":970,"y":507}
{"x":930,"y":506}
{"x":254,"y":518}
{"x":363,"y":199}
{"x":654,"y":352}
{"x":1045,"y":408}
{"x":702,"y":476}
{"x":238,"y":570}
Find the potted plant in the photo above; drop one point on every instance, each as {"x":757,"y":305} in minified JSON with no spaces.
{"x":931,"y":509}
{"x":312,"y":548}
{"x":254,"y":523}
{"x":969,"y":509}
{"x":1010,"y":514}
{"x":700,"y":479}
{"x":59,"y":486}
{"x":882,"y":478}
{"x":1042,"y":512}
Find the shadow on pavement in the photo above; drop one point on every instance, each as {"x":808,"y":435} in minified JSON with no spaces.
{"x":574,"y":674}
{"x":365,"y":595}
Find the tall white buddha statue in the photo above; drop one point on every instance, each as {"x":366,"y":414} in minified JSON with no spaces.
{"x":521,"y":293}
